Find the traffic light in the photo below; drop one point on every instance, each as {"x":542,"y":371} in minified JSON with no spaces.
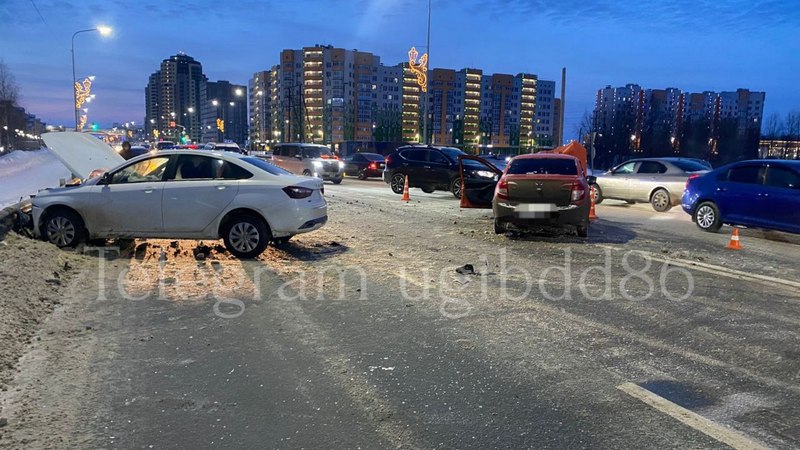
{"x":94,"y":127}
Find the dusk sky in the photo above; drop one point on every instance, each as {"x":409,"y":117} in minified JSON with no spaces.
{"x":694,"y":45}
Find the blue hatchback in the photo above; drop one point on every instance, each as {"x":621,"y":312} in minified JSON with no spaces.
{"x":758,"y":193}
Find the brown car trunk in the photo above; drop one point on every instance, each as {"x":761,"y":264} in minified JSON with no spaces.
{"x":553,"y":189}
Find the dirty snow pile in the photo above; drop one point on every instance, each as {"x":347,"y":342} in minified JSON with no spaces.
{"x":23,"y":173}
{"x":33,"y":278}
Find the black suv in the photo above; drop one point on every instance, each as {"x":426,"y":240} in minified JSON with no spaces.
{"x":429,"y":168}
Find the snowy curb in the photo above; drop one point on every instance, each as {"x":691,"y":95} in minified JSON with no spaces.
{"x":8,"y":217}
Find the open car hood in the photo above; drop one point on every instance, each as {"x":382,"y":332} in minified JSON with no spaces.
{"x":82,"y":153}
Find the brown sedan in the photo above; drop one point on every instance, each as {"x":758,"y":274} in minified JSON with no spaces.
{"x":542,"y":189}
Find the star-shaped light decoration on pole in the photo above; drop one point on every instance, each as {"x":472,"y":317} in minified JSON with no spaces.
{"x":83,"y":91}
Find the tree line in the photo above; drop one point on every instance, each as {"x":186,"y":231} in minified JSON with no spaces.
{"x":9,"y":100}
{"x":782,"y":128}
{"x":656,"y":135}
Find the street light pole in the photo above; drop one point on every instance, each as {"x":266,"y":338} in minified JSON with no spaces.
{"x":103,"y":30}
{"x":425,"y":105}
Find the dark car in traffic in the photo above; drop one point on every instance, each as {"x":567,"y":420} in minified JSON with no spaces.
{"x":535,"y":190}
{"x":756,"y":193}
{"x":429,"y":168}
{"x":364,"y":165}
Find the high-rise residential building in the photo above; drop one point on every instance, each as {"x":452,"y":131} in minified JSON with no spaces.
{"x":525,"y":85}
{"x":545,"y":120}
{"x":224,"y":115}
{"x":325,"y":94}
{"x":260,"y":126}
{"x":441,"y":105}
{"x":470,"y":105}
{"x":412,"y":95}
{"x":388,"y":105}
{"x":497,"y":121}
{"x":174,"y":97}
{"x":289,"y":99}
{"x":719,"y":126}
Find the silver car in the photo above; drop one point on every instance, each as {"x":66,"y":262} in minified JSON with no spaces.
{"x":658,"y":181}
{"x":311,"y":160}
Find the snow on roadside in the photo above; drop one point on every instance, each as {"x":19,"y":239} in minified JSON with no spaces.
{"x":23,"y":173}
{"x":35,"y":275}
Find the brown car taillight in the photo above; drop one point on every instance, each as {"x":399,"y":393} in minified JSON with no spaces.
{"x":502,"y":189}
{"x":578,"y":193}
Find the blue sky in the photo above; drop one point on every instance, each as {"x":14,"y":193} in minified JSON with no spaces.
{"x":690,"y":44}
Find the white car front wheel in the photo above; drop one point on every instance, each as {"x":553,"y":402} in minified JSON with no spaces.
{"x":63,"y":228}
{"x":246,"y":236}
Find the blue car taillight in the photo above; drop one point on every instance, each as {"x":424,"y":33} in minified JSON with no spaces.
{"x":691,"y":177}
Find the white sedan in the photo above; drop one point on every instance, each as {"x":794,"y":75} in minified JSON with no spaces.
{"x":185,"y":194}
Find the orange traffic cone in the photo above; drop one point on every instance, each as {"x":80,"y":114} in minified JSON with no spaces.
{"x":592,"y":213}
{"x":406,"y":197}
{"x":734,"y":244}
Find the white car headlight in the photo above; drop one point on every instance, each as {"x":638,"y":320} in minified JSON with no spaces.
{"x":341,"y":164}
{"x":484,"y":173}
{"x":317,"y":163}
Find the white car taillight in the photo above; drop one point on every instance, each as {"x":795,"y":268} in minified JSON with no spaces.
{"x":298,"y":191}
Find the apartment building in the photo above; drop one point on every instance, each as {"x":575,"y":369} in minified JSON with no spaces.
{"x":224,"y":114}
{"x":661,"y":122}
{"x":174,"y":97}
{"x":328,"y":95}
{"x":545,"y":118}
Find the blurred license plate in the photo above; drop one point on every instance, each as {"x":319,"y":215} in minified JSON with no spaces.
{"x":536,"y":207}
{"x":535,"y":210}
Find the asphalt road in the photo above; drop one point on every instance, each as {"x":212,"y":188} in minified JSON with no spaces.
{"x":650,"y":334}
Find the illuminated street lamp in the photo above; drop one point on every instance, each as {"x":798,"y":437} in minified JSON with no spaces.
{"x":104,"y":31}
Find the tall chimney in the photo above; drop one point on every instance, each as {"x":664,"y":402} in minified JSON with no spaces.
{"x":563,"y":105}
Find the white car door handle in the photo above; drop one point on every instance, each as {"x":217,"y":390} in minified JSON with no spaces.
{"x":148,"y":191}
{"x":220,"y":188}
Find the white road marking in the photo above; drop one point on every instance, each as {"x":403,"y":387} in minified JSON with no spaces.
{"x":663,"y":217}
{"x":719,"y":432}
{"x":716,"y":269}
{"x":732,"y":273}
